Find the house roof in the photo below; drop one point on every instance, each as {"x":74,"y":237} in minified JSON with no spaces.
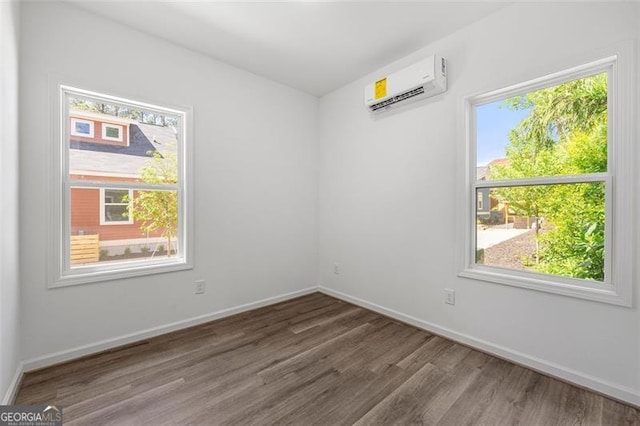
{"x":484,"y":172}
{"x":108,"y":118}
{"x":481,"y":172}
{"x":499,"y":162}
{"x":87,"y":158}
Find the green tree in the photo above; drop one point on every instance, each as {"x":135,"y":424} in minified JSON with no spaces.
{"x":575,"y":245}
{"x":125,"y":112}
{"x":527,"y":158}
{"x":564,"y":134}
{"x":158,"y":209}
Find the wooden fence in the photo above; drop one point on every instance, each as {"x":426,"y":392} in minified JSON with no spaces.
{"x":85,"y":248}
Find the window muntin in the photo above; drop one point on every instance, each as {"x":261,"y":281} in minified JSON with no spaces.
{"x":554,"y":133}
{"x":82,"y":127}
{"x":112,"y":132}
{"x":115,"y":208}
{"x":110,"y":180}
{"x":616,"y":286}
{"x":572,"y":233}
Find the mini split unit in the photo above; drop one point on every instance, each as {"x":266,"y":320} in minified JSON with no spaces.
{"x":421,"y":80}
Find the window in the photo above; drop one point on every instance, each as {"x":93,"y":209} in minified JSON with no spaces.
{"x":112,"y":132}
{"x":547,"y":154}
{"x":115,"y":206}
{"x":121,"y":211}
{"x":81,"y":127}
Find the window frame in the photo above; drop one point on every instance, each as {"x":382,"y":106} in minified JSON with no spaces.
{"x":617,"y":288}
{"x":104,"y":204}
{"x":113,"y":126}
{"x":59,"y":270}
{"x":91,"y":124}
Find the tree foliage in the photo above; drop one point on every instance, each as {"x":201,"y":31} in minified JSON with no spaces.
{"x":564,"y":134}
{"x":140,"y":115}
{"x":158,"y":209}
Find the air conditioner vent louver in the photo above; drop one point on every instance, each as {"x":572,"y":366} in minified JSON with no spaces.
{"x":398,"y":98}
{"x":423,"y":79}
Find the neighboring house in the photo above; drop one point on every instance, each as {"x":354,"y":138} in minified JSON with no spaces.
{"x":488,"y":208}
{"x":112,"y":149}
{"x":483,"y":203}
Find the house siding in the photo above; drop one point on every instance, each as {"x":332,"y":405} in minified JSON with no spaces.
{"x":97,"y":132}
{"x":486,"y":201}
{"x":85,"y":218}
{"x":117,"y":180}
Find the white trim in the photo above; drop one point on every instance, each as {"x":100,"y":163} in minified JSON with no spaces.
{"x":618,"y":180}
{"x":14,"y":385}
{"x":119,"y":270}
{"x":543,"y":180}
{"x":121,"y":101}
{"x":100,"y":116}
{"x":73,"y":132}
{"x":134,"y":241}
{"x":622,"y":393}
{"x":574,"y":287}
{"x":93,"y":173}
{"x":96,"y":347}
{"x":104,"y":204}
{"x":59,"y":271}
{"x":113,"y":126}
{"x":573,"y":73}
{"x":79,"y":183}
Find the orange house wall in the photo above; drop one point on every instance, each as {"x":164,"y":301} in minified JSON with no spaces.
{"x":97,"y":133}
{"x":85,"y":217}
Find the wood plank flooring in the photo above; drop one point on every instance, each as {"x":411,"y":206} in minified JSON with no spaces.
{"x":311,"y":360}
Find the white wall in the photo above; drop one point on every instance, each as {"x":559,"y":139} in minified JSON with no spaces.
{"x":9,"y":287}
{"x":388,"y":199}
{"x":254,"y":173}
{"x":386,"y":204}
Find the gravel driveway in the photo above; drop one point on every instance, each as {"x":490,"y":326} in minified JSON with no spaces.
{"x":495,"y":235}
{"x":509,"y":253}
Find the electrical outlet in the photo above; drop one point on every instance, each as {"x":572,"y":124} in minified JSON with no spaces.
{"x":449,"y":296}
{"x":336,"y":268}
{"x":200,"y":286}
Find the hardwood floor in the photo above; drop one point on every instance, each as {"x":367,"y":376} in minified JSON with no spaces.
{"x":311,"y":360}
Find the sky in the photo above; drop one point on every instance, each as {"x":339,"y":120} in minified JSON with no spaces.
{"x":494,"y":121}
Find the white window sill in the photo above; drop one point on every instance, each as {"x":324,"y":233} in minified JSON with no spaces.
{"x":582,"y":289}
{"x":91,"y":274}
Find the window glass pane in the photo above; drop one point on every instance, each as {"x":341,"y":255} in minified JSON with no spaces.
{"x":552,"y":229}
{"x":84,"y":128}
{"x":559,"y":130}
{"x":150,"y":151}
{"x":480,"y":200}
{"x":116,"y":213}
{"x":151,"y":235}
{"x":112,"y":132}
{"x":116,"y":196}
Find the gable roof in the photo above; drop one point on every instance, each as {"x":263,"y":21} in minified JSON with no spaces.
{"x":107,"y":118}
{"x":98,"y":159}
{"x":481,"y":172}
{"x":499,"y":162}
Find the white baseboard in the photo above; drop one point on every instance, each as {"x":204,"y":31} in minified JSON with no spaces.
{"x":624,"y":394}
{"x":14,"y":385}
{"x":92,"y":348}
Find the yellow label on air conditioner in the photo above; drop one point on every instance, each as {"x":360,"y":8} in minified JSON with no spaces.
{"x":381,"y":88}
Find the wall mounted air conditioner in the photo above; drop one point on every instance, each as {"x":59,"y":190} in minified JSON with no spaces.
{"x":420,"y":80}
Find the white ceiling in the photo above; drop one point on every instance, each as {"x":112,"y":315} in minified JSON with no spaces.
{"x":315,"y":47}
